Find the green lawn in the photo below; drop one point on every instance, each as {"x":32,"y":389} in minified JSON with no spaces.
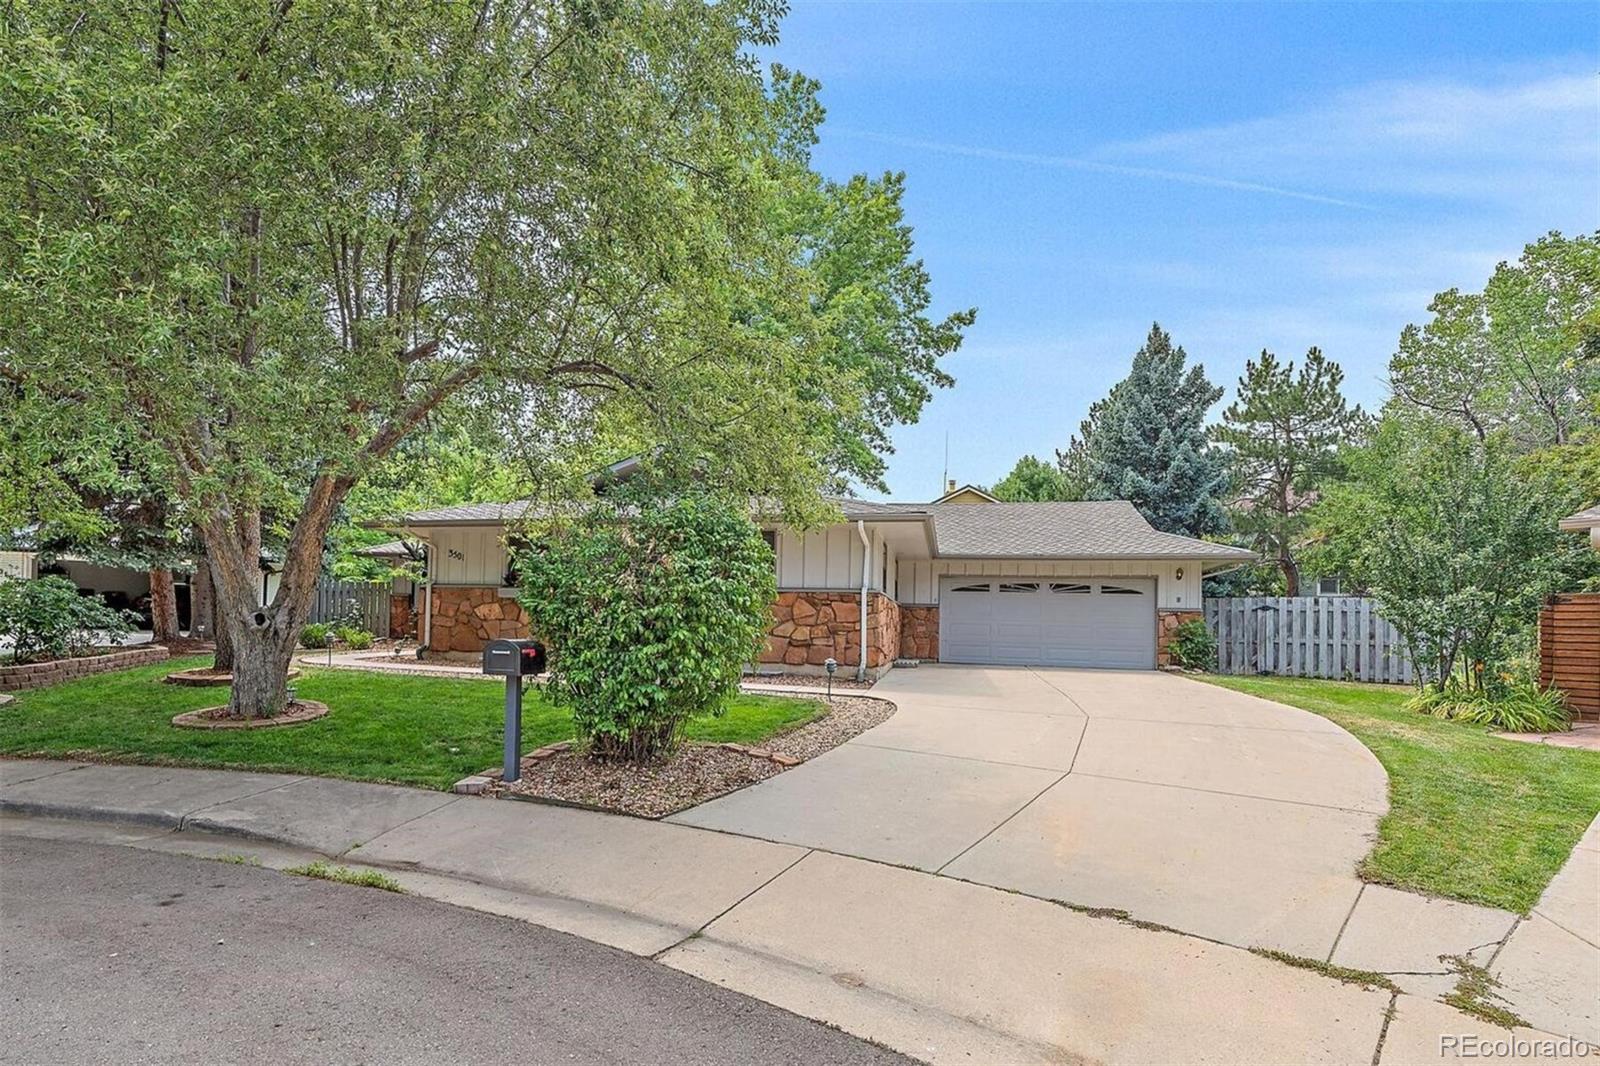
{"x":428,"y":731}
{"x":1471,"y":816}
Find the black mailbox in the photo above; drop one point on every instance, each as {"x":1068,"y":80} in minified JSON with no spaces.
{"x":513,"y":658}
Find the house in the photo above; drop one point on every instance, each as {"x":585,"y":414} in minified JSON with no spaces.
{"x":965,"y":578}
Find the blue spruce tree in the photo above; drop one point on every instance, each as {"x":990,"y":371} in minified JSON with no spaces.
{"x":1146,"y":443}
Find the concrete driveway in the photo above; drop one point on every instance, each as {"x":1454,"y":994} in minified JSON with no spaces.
{"x":1183,"y":804}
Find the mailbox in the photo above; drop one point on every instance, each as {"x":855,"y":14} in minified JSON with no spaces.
{"x":513,"y":658}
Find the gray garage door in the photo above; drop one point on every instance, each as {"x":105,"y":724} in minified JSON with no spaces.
{"x":1049,"y":621}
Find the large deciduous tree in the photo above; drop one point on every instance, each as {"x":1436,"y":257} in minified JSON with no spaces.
{"x":1146,"y":443}
{"x":1521,"y":356}
{"x":1457,"y":541}
{"x":264,"y":242}
{"x":1283,"y":433}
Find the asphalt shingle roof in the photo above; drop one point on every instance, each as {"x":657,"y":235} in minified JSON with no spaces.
{"x":1087,"y":529}
{"x":487,"y":514}
{"x":1081,"y":529}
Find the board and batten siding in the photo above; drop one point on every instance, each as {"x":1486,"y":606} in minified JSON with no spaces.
{"x":919,"y":578}
{"x":470,"y":555}
{"x":827,"y":558}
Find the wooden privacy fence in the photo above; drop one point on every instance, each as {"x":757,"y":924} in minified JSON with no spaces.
{"x":334,"y":599}
{"x":1306,"y":636}
{"x":1569,"y":650}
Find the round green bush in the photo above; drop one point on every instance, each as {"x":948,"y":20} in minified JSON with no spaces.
{"x":1192,"y":646}
{"x":650,"y":614}
{"x":316,"y":635}
{"x":354,"y":637}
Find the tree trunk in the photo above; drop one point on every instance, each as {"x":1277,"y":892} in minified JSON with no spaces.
{"x":222,"y":658}
{"x":163,"y":605}
{"x":201,"y":624}
{"x":263,"y":636}
{"x":1291,"y":572}
{"x":260,"y":672}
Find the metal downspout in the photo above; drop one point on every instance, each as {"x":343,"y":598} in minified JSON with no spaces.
{"x":427,"y":596}
{"x":866,"y":571}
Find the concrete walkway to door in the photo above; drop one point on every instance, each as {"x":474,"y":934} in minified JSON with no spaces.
{"x":1197,"y":808}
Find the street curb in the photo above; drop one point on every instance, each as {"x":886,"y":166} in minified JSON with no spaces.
{"x":73,"y":812}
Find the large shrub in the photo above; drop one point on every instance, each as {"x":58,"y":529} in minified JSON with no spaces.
{"x":650,"y":614}
{"x":48,"y":617}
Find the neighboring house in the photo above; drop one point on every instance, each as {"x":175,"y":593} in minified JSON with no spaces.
{"x":1588,"y":519}
{"x":965,"y":578}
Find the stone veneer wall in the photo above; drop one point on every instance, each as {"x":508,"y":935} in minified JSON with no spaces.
{"x":1167,"y":623}
{"x":810,"y":628}
{"x":466,"y":617}
{"x":919,"y":632}
{"x":53,"y":671}
{"x":400,"y":620}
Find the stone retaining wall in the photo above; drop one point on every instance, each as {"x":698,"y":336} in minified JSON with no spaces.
{"x":54,"y":671}
{"x":919,"y":632}
{"x":1167,"y":623}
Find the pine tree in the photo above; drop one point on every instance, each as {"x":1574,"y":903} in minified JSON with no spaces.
{"x":1283,"y":434}
{"x":1146,"y":443}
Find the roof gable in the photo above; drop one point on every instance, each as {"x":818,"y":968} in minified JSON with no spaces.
{"x":967,"y":494}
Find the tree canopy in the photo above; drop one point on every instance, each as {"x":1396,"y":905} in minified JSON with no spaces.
{"x":257,"y":246}
{"x":1520,"y":356}
{"x":1033,"y":480}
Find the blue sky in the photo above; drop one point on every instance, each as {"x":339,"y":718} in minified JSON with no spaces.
{"x":1275,"y":175}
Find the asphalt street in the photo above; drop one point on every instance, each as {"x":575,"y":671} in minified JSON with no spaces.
{"x":116,"y":955}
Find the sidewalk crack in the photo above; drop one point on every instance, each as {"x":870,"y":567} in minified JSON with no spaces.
{"x":1351,"y":913}
{"x":1383,"y":1030}
{"x":709,"y":921}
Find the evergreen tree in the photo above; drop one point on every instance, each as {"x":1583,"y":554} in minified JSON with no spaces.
{"x":1283,"y":433}
{"x":1146,"y":443}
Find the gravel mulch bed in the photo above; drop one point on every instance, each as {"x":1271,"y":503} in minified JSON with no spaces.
{"x":697,"y":773}
{"x":808,"y":681}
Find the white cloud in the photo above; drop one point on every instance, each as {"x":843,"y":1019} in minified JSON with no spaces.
{"x":1528,"y":143}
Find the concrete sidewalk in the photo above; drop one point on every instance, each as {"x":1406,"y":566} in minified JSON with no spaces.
{"x":941,"y":969}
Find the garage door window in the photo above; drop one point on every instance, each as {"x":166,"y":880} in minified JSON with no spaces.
{"x":1019,"y":586}
{"x":1119,"y":590}
{"x":1060,"y":588}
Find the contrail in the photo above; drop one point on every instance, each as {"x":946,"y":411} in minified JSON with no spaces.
{"x":1067,"y":162}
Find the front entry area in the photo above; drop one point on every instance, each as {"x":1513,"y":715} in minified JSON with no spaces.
{"x":1049,"y":621}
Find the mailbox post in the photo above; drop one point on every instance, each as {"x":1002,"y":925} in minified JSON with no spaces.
{"x":513,"y":660}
